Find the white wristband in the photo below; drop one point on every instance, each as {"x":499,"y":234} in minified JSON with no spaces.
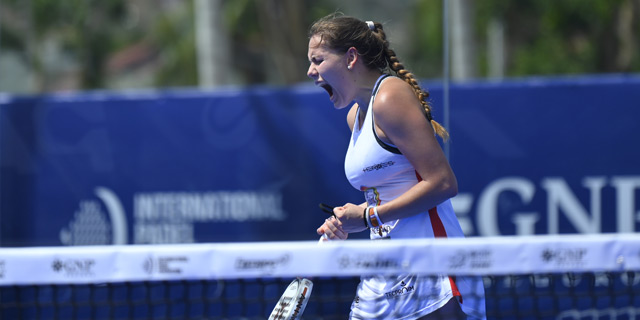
{"x":367,"y":216}
{"x":373,"y":219}
{"x":377,"y":217}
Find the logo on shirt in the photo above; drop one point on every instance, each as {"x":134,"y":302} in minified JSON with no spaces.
{"x":404,"y":289}
{"x":378,"y":166}
{"x":371,"y":195}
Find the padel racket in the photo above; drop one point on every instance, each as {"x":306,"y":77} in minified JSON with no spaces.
{"x":293,"y":300}
{"x":327,"y":208}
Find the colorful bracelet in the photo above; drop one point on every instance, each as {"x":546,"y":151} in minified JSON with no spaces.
{"x":374,"y":218}
{"x":371,"y":217}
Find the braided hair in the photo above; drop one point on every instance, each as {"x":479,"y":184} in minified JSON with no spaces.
{"x":340,"y":33}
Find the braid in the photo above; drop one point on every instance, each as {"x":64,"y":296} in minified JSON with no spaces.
{"x":408,"y":77}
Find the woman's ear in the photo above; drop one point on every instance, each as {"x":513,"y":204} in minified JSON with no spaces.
{"x":352,"y":57}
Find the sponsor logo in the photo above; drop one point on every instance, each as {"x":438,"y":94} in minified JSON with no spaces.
{"x":171,"y":217}
{"x":563,"y":210}
{"x":471,"y":259}
{"x":97,"y":221}
{"x":368,"y":262}
{"x":404,"y":289}
{"x":378,"y":166}
{"x":301,"y":298}
{"x":381,"y":232}
{"x":74,"y":267}
{"x":371,"y":195}
{"x":564,"y":256}
{"x":264,"y":265}
{"x":2,"y":269}
{"x":164,"y":265}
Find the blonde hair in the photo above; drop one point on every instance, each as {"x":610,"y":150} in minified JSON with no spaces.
{"x":340,"y":33}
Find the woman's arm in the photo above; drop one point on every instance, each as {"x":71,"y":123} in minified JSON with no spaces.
{"x":400,"y":120}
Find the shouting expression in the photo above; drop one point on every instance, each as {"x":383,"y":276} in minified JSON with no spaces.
{"x":329,"y":70}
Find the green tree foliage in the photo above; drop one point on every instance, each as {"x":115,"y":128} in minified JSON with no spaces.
{"x":268,"y":37}
{"x":426,"y":55}
{"x":548,"y":37}
{"x":173,"y":36}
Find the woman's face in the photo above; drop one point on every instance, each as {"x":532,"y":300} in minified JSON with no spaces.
{"x":328,"y":69}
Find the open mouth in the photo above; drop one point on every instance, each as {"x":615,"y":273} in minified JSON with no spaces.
{"x":328,"y":88}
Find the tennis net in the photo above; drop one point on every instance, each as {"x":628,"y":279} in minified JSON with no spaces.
{"x":536,"y":277}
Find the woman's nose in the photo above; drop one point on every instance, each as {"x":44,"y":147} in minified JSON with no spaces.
{"x":312,"y":72}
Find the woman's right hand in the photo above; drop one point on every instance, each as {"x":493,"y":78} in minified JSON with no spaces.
{"x":351,"y":217}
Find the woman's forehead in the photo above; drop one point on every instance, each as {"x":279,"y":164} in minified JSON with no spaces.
{"x":315,"y":42}
{"x":317,"y":47}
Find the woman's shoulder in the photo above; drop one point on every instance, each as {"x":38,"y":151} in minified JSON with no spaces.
{"x":393,"y":83}
{"x":395,"y":94}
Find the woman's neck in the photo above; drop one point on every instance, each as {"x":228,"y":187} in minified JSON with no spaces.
{"x":365,"y":91}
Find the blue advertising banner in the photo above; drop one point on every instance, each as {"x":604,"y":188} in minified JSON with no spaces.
{"x":532,"y":156}
{"x":547,"y":156}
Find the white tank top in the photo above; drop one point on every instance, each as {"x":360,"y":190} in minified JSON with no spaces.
{"x":383,"y":173}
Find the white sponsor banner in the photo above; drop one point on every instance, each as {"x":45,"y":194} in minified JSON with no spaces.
{"x":460,"y":256}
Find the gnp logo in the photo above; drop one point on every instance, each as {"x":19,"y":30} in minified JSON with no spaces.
{"x":91,"y":226}
{"x":74,"y":267}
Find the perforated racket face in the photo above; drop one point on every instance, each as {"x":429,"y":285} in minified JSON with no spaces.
{"x":293,"y":300}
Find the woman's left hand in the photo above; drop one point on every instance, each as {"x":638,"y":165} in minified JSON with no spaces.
{"x":331,"y":229}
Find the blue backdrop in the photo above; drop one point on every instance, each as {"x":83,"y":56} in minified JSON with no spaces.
{"x":538,"y":155}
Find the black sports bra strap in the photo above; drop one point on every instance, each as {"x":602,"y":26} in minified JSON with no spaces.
{"x":380,"y":142}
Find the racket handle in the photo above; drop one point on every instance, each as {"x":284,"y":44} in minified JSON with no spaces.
{"x":327,"y":208}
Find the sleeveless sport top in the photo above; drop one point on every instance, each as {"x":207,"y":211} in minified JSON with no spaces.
{"x":383,"y":173}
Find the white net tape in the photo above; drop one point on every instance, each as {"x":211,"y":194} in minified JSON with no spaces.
{"x":470,"y":256}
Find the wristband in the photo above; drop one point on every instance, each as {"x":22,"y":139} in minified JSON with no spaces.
{"x":374,"y":219}
{"x":364,"y":217}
